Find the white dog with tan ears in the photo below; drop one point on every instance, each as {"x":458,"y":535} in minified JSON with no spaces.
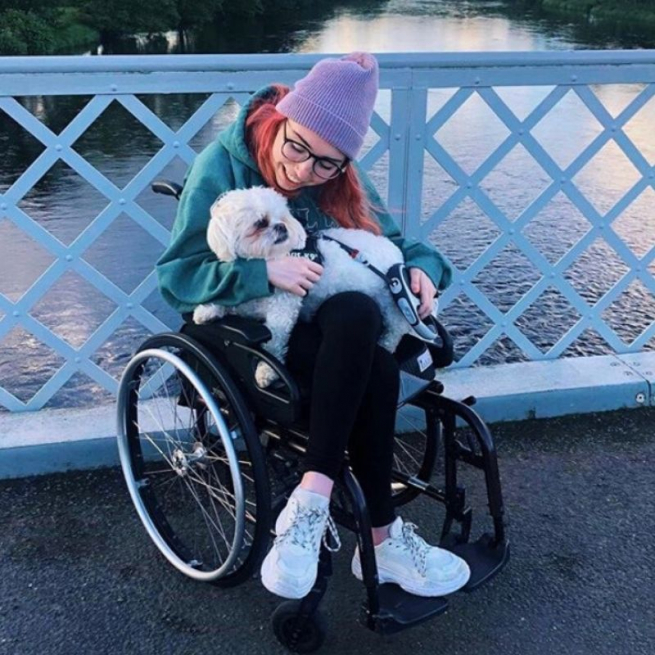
{"x":257,"y":223}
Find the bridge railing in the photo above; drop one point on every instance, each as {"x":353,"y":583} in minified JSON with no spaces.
{"x":534,"y":173}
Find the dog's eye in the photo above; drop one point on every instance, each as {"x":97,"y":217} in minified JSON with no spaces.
{"x":262,"y":223}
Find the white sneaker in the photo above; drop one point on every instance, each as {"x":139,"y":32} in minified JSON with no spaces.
{"x":420,"y":569}
{"x":289,"y":570}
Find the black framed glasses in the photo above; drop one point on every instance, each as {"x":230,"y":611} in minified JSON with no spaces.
{"x":324,"y":167}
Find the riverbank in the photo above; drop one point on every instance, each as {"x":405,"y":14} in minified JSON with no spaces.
{"x":75,"y":26}
{"x":634,"y":15}
{"x":71,"y":29}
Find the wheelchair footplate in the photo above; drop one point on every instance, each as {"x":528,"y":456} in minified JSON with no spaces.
{"x":399,"y":609}
{"x":484,"y":557}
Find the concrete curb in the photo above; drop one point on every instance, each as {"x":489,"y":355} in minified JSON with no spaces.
{"x":513,"y":392}
{"x":48,"y":441}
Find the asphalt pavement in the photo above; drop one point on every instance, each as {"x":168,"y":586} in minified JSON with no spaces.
{"x":78,"y":573}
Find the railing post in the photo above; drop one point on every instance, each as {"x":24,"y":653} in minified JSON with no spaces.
{"x":398,"y":137}
{"x":408,"y":107}
{"x":415,"y":161}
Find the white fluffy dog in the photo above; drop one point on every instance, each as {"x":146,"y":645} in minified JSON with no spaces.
{"x":256,"y":223}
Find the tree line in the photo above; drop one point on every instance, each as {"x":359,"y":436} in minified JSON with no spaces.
{"x":622,"y":16}
{"x":42,"y":26}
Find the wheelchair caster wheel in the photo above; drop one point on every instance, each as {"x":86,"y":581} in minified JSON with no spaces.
{"x":298,"y":634}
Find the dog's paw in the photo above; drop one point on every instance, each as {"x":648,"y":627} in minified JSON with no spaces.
{"x":265,"y":375}
{"x":204,"y":314}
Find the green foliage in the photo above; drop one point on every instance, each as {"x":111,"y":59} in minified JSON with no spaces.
{"x":71,"y":32}
{"x":116,"y":17}
{"x":283,"y":5}
{"x":585,"y":6}
{"x":626,"y":12}
{"x":27,"y":5}
{"x":24,"y":33}
{"x":194,"y":13}
{"x":247,"y":8}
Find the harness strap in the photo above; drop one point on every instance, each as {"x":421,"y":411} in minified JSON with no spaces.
{"x":356,"y":255}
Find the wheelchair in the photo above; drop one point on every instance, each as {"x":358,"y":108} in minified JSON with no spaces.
{"x":210,"y":459}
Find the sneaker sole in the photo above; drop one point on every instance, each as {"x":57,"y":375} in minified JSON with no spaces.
{"x":277,"y":586}
{"x":385,"y":576}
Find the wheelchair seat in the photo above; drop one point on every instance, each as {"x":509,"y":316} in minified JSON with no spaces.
{"x":237,"y":341}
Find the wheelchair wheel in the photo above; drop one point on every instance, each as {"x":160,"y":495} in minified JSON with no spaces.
{"x":299,"y":635}
{"x":415,"y":452}
{"x":193,"y":461}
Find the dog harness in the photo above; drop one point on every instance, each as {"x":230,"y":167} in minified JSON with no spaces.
{"x":355,"y":254}
{"x":397,"y":280}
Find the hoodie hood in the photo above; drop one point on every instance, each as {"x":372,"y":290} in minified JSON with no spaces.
{"x":233,"y":138}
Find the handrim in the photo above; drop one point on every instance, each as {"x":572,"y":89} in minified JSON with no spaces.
{"x":125,"y":389}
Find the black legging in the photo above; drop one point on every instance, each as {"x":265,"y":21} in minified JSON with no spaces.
{"x":354,"y":390}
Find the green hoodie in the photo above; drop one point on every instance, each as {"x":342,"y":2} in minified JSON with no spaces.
{"x":189,"y":273}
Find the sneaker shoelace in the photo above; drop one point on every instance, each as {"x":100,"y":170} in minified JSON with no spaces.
{"x":417,"y":547}
{"x":303,"y":529}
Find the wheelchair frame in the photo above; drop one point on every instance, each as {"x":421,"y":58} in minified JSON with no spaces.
{"x":240,"y":425}
{"x":275,"y":414}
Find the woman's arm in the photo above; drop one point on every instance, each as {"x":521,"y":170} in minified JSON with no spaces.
{"x":188,"y":271}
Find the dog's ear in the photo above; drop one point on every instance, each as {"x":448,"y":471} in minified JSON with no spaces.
{"x":220,"y":232}
{"x":297,"y":234}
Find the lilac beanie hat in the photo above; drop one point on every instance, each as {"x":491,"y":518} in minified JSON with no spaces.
{"x":335,"y":100}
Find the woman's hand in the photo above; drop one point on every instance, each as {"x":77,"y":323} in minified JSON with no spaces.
{"x":422,"y":286}
{"x":295,"y":274}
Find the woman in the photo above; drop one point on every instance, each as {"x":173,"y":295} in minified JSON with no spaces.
{"x":303,"y":143}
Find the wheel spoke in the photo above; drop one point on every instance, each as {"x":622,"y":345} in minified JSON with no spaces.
{"x":207,"y":518}
{"x":404,"y":448}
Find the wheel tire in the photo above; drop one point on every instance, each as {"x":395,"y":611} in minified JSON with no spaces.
{"x":198,"y":478}
{"x":313,"y":632}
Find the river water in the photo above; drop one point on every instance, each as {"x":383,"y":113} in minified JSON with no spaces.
{"x":119,"y":147}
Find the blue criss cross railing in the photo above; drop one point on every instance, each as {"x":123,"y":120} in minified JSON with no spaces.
{"x":561,"y":181}
{"x":409,"y":140}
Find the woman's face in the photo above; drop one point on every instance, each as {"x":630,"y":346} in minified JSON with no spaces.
{"x":292,"y":175}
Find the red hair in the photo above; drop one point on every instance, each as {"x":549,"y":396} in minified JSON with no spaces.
{"x":342,"y":197}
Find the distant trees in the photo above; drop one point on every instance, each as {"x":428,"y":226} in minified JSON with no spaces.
{"x":24,"y":33}
{"x":617,"y":5}
{"x":36,"y":26}
{"x":115,"y":17}
{"x":112,"y":18}
{"x":192,"y":13}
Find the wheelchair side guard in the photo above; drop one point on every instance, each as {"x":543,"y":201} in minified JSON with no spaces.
{"x":281,"y":401}
{"x":242,"y":330}
{"x":237,"y":339}
{"x":490,"y":553}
